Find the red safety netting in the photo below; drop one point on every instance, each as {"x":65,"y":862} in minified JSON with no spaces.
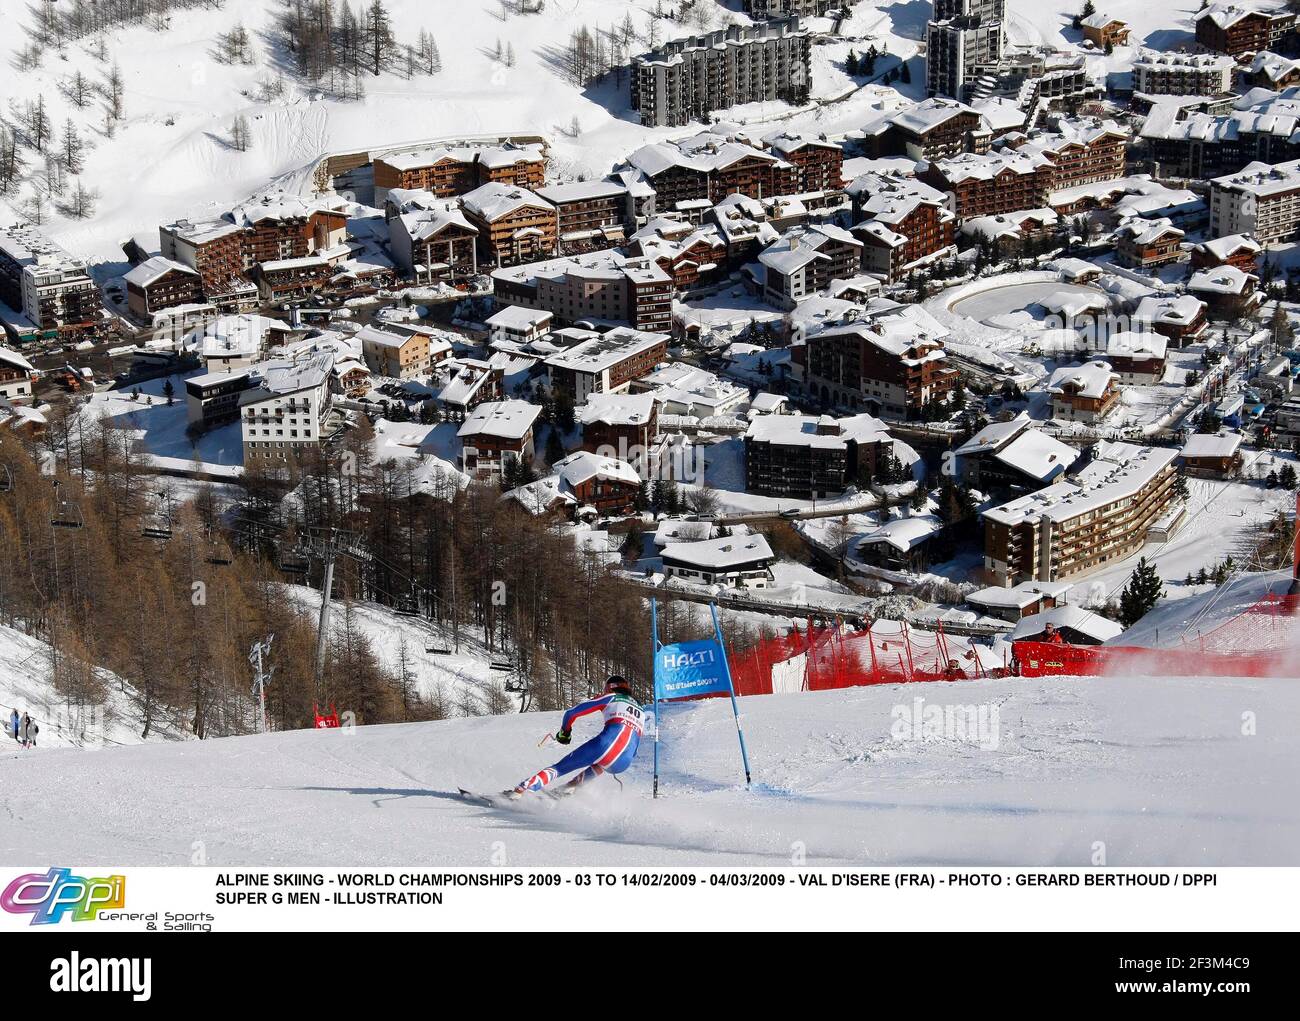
{"x":826,"y":658}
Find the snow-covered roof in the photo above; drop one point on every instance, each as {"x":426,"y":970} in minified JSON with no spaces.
{"x":518,"y":318}
{"x":1222,"y":280}
{"x":509,"y":420}
{"x":583,"y":465}
{"x":725,"y":552}
{"x":1036,"y":454}
{"x":281,"y":376}
{"x":1172,"y":309}
{"x":9,"y":356}
{"x":1264,"y":179}
{"x":616,"y":409}
{"x":1215,"y":445}
{"x":677,"y":530}
{"x":1136,"y":346}
{"x":904,"y":533}
{"x":607,"y":350}
{"x":495,"y":200}
{"x":1086,"y":622}
{"x":1090,"y":379}
{"x":822,"y":431}
{"x":1117,"y":471}
{"x":994,"y":436}
{"x":1225,"y":15}
{"x":1019,"y":596}
{"x":1228,"y":246}
{"x":154,"y":269}
{"x":581,"y":191}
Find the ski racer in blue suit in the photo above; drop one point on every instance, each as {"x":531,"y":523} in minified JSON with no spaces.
{"x":610,"y":751}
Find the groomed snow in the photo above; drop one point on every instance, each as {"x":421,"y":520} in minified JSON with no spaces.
{"x":1157,"y":771}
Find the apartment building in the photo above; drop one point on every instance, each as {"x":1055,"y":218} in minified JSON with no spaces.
{"x":1183,"y":74}
{"x":273,"y":228}
{"x":603,"y":287}
{"x":1147,"y":244}
{"x":894,"y":373}
{"x":589,"y":214}
{"x":1080,"y":151}
{"x":807,"y":456}
{"x":900,"y":221}
{"x":494,"y":434}
{"x":434,"y":245}
{"x":1083,"y":393}
{"x":1240,"y":250}
{"x":1082,"y":523}
{"x":1182,"y":319}
{"x":805,"y":260}
{"x":451,"y":170}
{"x":1271,"y":71}
{"x":625,"y":426}
{"x":513,"y":224}
{"x":42,"y":282}
{"x":160,"y":283}
{"x":1013,"y":456}
{"x":708,"y":167}
{"x":608,"y":363}
{"x":1236,"y":29}
{"x":1261,"y":200}
{"x":930,"y":130}
{"x":212,"y":398}
{"x":1260,"y":126}
{"x":282,"y":415}
{"x":687,"y":79}
{"x":1000,"y":182}
{"x":286,"y":279}
{"x":962,"y":41}
{"x":819,"y":163}
{"x":401,"y":351}
{"x":770,"y":10}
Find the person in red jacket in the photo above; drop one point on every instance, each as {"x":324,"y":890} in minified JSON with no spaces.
{"x":1052,"y":636}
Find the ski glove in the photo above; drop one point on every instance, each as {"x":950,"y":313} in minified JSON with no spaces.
{"x":563,"y":737}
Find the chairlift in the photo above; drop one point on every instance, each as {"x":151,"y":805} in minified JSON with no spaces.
{"x":67,"y":513}
{"x":501,"y":664}
{"x":516,"y":687}
{"x":159,"y":524}
{"x":218,"y":554}
{"x":293,"y":561}
{"x":6,"y":478}
{"x":432,"y":647}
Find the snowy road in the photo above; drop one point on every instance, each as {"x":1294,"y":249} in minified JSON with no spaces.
{"x":1140,"y":771}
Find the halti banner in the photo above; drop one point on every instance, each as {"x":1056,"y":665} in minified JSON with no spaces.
{"x":690,"y":668}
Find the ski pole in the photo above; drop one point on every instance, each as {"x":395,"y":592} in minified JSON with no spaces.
{"x":545,"y":737}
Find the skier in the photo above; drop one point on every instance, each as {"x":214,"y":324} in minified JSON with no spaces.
{"x":13,"y":724}
{"x":29,"y":738}
{"x":610,"y":751}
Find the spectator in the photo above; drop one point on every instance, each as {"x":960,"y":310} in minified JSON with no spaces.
{"x":28,"y":731}
{"x":13,"y":724}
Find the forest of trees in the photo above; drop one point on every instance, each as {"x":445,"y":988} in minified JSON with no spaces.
{"x":334,"y":46}
{"x":177,"y":623}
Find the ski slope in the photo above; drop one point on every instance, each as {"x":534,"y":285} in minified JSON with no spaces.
{"x":1146,"y":772}
{"x":25,"y":686}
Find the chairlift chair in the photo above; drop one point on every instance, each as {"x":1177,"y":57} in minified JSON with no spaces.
{"x":6,"y":478}
{"x":158,"y":525}
{"x":67,"y":513}
{"x":293,"y":562}
{"x":432,"y":647}
{"x":501,"y":664}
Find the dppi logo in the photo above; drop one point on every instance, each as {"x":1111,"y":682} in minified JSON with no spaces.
{"x":47,"y":898}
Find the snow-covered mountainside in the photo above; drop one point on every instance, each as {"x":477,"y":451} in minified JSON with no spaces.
{"x":1066,"y":772}
{"x":25,"y":686}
